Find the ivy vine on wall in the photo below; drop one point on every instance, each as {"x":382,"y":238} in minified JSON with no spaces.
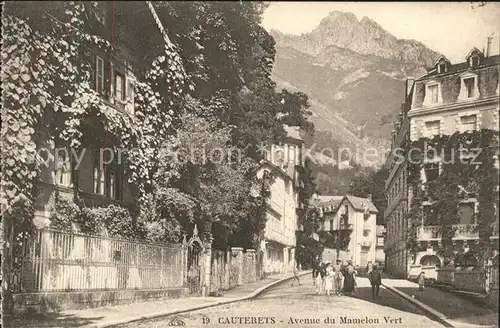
{"x":467,"y":170}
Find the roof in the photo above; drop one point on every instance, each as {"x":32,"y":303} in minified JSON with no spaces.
{"x":472,"y":51}
{"x":274,"y":168}
{"x":293,"y":132}
{"x":330,"y":202}
{"x":460,"y":67}
{"x":357,"y":203}
{"x":439,"y":59}
{"x":334,"y":203}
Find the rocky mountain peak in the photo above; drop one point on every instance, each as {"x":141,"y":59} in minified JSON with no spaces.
{"x":339,"y":16}
{"x":365,"y":37}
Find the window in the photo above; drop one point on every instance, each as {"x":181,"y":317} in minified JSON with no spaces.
{"x":431,"y":171}
{"x":331,"y":225}
{"x":63,"y":170}
{"x":119,"y":87}
{"x":433,"y":93}
{"x":100,"y":13}
{"x":474,"y":61}
{"x":430,"y":217}
{"x":433,"y":128}
{"x":291,"y":154}
{"x":130,"y":96}
{"x":466,"y":213}
{"x":99,"y":180}
{"x":99,"y":75}
{"x":442,"y":68}
{"x":112,"y":185}
{"x":470,"y":84}
{"x":469,"y":122}
{"x":279,"y":156}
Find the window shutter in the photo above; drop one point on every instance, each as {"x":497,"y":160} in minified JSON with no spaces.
{"x":108,"y":79}
{"x":130,"y":95}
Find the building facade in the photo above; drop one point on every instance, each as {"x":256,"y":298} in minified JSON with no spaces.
{"x":85,"y":174}
{"x":396,"y":192}
{"x":278,"y":247}
{"x":349,"y":230}
{"x":453,"y":98}
{"x":450,"y":98}
{"x":379,"y":246}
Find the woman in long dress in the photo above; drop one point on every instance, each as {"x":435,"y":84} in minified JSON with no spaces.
{"x":349,"y":279}
{"x":329,"y":279}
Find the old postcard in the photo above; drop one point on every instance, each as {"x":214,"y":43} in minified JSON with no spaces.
{"x":250,"y":164}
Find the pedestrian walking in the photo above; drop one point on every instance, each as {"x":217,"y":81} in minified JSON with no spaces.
{"x":375,"y":280}
{"x":421,"y":281}
{"x":320,"y":279}
{"x":328,"y":279}
{"x":315,"y":271}
{"x":349,"y":279}
{"x":338,"y":278}
{"x":295,"y":275}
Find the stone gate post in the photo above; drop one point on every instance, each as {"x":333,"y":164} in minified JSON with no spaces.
{"x":238,"y":254}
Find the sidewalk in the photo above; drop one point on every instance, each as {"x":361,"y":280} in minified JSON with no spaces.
{"x":115,"y":316}
{"x":452,"y":310}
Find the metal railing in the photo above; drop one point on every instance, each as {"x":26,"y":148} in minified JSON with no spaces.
{"x":462,"y":232}
{"x":64,"y":261}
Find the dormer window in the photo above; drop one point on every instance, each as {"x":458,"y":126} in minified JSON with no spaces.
{"x":474,"y":57}
{"x":442,"y":65}
{"x":474,"y":61}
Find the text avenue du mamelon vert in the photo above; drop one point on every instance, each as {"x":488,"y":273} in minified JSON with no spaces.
{"x":307,"y":321}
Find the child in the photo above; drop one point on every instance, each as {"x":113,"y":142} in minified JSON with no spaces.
{"x":421,"y":281}
{"x":295,"y":276}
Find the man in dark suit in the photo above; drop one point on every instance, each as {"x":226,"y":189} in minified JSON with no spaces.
{"x":375,"y":280}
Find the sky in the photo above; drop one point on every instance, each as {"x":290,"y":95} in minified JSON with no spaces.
{"x":450,"y":28}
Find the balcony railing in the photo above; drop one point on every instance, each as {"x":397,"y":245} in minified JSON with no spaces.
{"x":366,"y":243}
{"x":462,"y":232}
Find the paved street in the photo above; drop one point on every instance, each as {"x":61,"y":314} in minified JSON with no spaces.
{"x":285,"y":306}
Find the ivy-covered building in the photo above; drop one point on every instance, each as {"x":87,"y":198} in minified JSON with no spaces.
{"x":91,"y":162}
{"x":281,"y":161}
{"x":448,"y":186}
{"x":349,"y":229}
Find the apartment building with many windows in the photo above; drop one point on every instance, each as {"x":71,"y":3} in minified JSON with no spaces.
{"x":450,"y":98}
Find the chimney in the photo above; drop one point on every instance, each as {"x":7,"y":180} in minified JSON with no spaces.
{"x":409,"y":84}
{"x":488,"y":45}
{"x":369,"y":197}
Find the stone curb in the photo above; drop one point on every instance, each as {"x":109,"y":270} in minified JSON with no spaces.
{"x":254,"y":294}
{"x":438,"y":315}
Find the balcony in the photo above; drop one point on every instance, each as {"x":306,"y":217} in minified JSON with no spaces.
{"x":434,"y":233}
{"x":366,"y":243}
{"x":348,"y":226}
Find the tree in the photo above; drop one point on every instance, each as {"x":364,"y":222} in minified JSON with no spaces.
{"x":372,"y":184}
